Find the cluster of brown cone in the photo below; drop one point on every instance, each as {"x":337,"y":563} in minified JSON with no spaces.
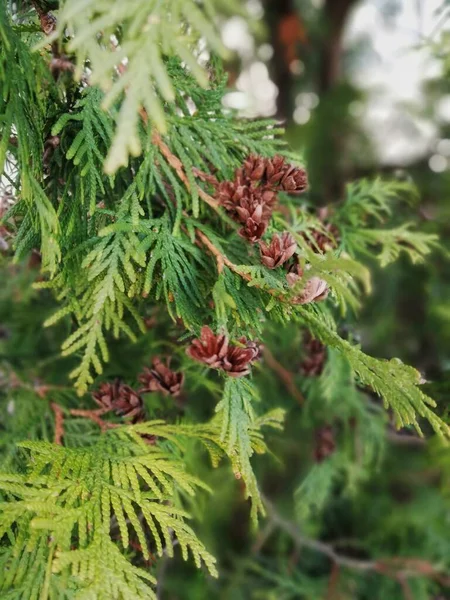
{"x":217,"y":352}
{"x":124,"y":401}
{"x":252,"y":196}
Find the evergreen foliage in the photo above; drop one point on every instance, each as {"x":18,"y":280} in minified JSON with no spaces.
{"x":114,"y":141}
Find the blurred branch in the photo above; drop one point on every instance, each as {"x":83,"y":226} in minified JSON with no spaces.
{"x":399,"y":568}
{"x":286,"y":376}
{"x":405,"y":439}
{"x":292,"y":530}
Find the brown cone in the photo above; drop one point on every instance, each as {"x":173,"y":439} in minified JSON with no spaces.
{"x":48,"y":23}
{"x":230,"y":193}
{"x":254,"y":167}
{"x":253,"y":230}
{"x":238,"y":359}
{"x":280,"y":249}
{"x":251,"y":197}
{"x":325,"y":444}
{"x":294,"y":180}
{"x":321,"y":241}
{"x":120,"y":398}
{"x":250,"y":207}
{"x":216,"y":352}
{"x":160,"y":378}
{"x":209,"y":348}
{"x":315,"y":289}
{"x":275,"y":169}
{"x":315,"y":356}
{"x":282,"y":176}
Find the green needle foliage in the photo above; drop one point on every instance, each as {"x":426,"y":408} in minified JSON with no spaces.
{"x":115,"y":148}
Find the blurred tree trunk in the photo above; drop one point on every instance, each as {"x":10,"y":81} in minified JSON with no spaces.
{"x":320,"y":50}
{"x":335,"y":14}
{"x":277,"y":13}
{"x":327,"y":150}
{"x":287,"y":33}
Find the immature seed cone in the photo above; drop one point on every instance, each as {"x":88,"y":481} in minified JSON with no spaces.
{"x":294,"y":274}
{"x":285,"y":177}
{"x":253,"y":230}
{"x":315,"y":356}
{"x":280,"y":249}
{"x":275,"y":169}
{"x":251,"y":207}
{"x":254,"y":167}
{"x":325,"y":444}
{"x":315,"y":289}
{"x":209,"y":348}
{"x":258,"y":204}
{"x":48,"y":23}
{"x":256,"y":347}
{"x":230,"y":193}
{"x":216,"y":352}
{"x":294,"y":180}
{"x":323,"y":240}
{"x":254,"y":213}
{"x":251,"y":197}
{"x":160,"y":378}
{"x":120,"y":398}
{"x":237,"y":361}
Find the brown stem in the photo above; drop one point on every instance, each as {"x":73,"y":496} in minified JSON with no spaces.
{"x":407,"y":593}
{"x":177,"y":165}
{"x":223,"y":260}
{"x":206,"y":177}
{"x":94,"y":415}
{"x":220,"y":258}
{"x":333,"y":581}
{"x":173,"y":160}
{"x":286,"y":376}
{"x":59,"y":422}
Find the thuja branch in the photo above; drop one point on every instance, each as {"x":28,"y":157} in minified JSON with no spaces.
{"x":222,"y":260}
